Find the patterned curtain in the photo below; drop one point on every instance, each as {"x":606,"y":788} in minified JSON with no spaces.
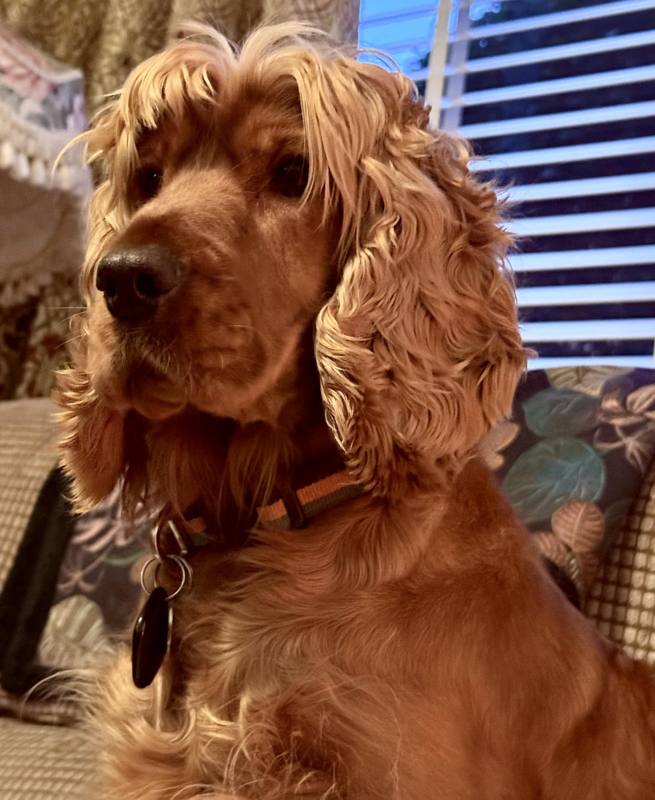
{"x":40,"y":229}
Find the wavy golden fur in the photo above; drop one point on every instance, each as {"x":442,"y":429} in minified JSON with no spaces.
{"x":339,"y":264}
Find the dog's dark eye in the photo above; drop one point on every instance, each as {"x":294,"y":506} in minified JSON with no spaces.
{"x":148,"y":182}
{"x":290,"y":176}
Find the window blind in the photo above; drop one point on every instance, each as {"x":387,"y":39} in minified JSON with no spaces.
{"x":402,"y":28}
{"x":558,"y":99}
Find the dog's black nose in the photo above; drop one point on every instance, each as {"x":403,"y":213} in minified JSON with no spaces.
{"x":134,"y":280}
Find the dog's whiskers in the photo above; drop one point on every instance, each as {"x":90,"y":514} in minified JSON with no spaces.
{"x":70,"y":340}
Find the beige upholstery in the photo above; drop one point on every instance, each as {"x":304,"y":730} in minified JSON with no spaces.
{"x":45,"y":762}
{"x":27,"y":454}
{"x":622,"y":598}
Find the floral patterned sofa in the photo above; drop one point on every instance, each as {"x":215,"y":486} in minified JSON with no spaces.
{"x":575,"y":459}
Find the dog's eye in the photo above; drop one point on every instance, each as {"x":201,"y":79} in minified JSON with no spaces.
{"x":290,"y":176}
{"x":148,"y":182}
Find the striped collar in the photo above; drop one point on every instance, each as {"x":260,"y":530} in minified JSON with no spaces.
{"x":175,"y":539}
{"x":293,"y":510}
{"x":296,"y":507}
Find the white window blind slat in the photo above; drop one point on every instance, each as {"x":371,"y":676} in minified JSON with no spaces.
{"x":573,"y":50}
{"x":583,"y":259}
{"x":587,"y":187}
{"x":558,"y":155}
{"x":400,"y":12}
{"x":420,"y":45}
{"x":558,"y":18}
{"x":579,"y":83}
{"x":565,"y":119}
{"x":573,"y":295}
{"x":575,"y":223}
{"x":589,"y":330}
{"x":632,"y":362}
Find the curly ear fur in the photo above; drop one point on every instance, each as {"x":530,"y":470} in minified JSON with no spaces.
{"x":92,"y":440}
{"x":93,"y":435}
{"x":418,"y":350}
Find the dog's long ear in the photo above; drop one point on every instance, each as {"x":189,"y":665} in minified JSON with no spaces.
{"x":92,"y":441}
{"x":92,"y":435}
{"x":418,"y":349}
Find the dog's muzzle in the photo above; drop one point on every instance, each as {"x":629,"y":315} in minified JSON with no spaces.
{"x":135,"y":280}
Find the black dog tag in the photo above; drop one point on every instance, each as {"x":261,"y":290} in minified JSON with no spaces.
{"x":151,"y":638}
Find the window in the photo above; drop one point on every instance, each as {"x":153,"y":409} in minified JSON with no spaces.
{"x":558,"y":99}
{"x":402,"y":28}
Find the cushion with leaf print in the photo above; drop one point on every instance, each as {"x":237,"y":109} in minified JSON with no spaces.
{"x":103,"y":564}
{"x":571,"y":461}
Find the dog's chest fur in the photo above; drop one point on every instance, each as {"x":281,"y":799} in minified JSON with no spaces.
{"x":314,"y":677}
{"x":302,"y":674}
{"x":296,"y":665}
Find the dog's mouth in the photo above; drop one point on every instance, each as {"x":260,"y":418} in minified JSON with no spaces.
{"x":159,"y":372}
{"x":154,"y":395}
{"x":132,"y":381}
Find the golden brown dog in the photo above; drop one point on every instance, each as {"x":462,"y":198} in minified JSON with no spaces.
{"x":289,"y":274}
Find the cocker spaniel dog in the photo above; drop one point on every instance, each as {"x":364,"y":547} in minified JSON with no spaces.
{"x":298,"y":330}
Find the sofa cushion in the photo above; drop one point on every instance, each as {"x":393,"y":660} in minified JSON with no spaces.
{"x":621,"y":599}
{"x":28,"y":456}
{"x":41,"y":762}
{"x":572,"y":459}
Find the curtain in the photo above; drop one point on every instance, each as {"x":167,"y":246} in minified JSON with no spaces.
{"x":107,"y":38}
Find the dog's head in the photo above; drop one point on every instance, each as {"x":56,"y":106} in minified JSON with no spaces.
{"x":249,"y":200}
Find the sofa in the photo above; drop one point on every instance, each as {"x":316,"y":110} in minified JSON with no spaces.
{"x":575,"y":458}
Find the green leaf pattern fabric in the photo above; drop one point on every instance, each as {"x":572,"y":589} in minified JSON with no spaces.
{"x":572,"y":457}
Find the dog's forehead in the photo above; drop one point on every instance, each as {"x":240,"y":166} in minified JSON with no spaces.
{"x":259,"y":132}
{"x":243,"y":120}
{"x":264,"y":126}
